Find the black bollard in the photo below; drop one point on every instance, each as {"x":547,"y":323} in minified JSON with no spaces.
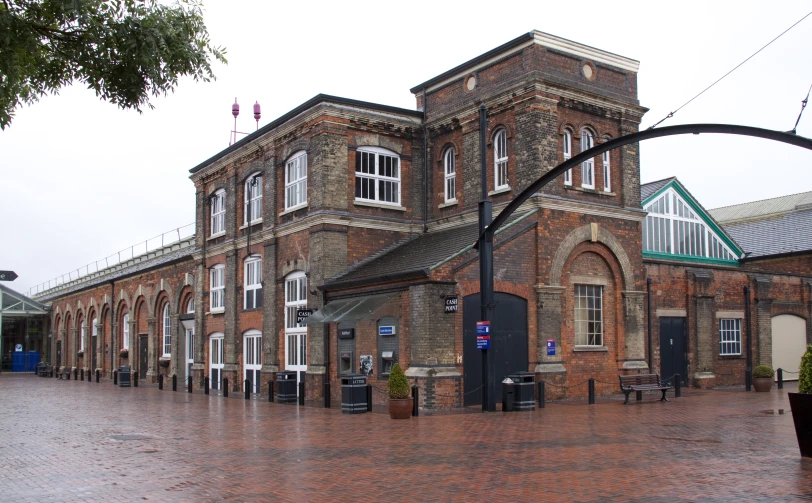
{"x":247,"y":389}
{"x":135,"y":379}
{"x":677,"y":386}
{"x":206,"y":385}
{"x":326,"y":393}
{"x":174,"y":382}
{"x":160,"y":381}
{"x":591,"y":391}
{"x":97,"y":375}
{"x":369,"y":398}
{"x":301,"y":393}
{"x":75,"y":373}
{"x":542,"y":392}
{"x":189,"y":379}
{"x":270,"y":391}
{"x":82,"y":374}
{"x":780,"y":378}
{"x":415,"y":400}
{"x":115,"y":377}
{"x":225,"y":387}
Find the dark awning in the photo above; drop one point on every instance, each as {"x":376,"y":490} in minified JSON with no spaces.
{"x":352,"y":309}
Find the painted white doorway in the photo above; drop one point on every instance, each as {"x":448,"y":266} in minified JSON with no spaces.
{"x":216,"y":358}
{"x":296,"y":355}
{"x":252,"y":356}
{"x":789,"y":344}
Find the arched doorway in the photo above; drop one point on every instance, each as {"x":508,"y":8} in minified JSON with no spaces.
{"x":789,"y":343}
{"x":252,"y":358}
{"x":216,"y":359}
{"x":508,"y":351}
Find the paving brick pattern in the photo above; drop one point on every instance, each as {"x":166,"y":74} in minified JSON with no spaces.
{"x":75,"y":441}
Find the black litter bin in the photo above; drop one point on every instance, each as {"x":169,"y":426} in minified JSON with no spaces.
{"x":41,"y":369}
{"x":353,"y":394}
{"x":524,"y":396}
{"x":286,"y":387}
{"x":124,"y":376}
{"x":508,"y":397}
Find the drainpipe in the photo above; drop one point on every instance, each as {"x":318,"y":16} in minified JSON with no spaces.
{"x":425,"y":163}
{"x":648,"y":319}
{"x":749,"y":364}
{"x":112,"y":324}
{"x":326,"y":386}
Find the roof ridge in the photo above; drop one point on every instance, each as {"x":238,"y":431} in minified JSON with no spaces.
{"x":658,"y":181}
{"x":763,"y":200}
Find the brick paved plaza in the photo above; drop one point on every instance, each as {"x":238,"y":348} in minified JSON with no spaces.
{"x":80,"y":441}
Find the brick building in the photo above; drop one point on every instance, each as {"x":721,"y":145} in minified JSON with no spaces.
{"x":365,"y":214}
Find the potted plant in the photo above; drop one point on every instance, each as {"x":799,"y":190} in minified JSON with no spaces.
{"x":124,"y":353}
{"x":801,"y":405}
{"x":400,"y":405}
{"x":763,"y":378}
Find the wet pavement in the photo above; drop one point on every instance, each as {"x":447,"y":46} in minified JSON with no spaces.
{"x":65,"y":441}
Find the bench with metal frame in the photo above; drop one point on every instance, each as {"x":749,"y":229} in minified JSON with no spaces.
{"x":640,"y":383}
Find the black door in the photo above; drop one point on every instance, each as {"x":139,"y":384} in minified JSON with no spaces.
{"x":143,"y":348}
{"x":508,"y":351}
{"x":58,"y":354}
{"x":93,"y":347}
{"x":673,"y":349}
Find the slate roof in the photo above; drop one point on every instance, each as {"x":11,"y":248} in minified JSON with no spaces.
{"x":415,"y":257}
{"x":648,"y":189}
{"x":758,"y":209}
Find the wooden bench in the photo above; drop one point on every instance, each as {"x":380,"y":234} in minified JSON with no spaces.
{"x":640,"y":383}
{"x":66,"y":372}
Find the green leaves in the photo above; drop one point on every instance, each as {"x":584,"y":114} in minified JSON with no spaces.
{"x":398,"y":386}
{"x":125,"y":50}
{"x":805,"y":372}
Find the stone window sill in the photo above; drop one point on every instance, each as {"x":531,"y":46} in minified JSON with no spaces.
{"x":449,"y":204}
{"x":732,"y":357}
{"x":292,"y":209}
{"x":498,"y":191}
{"x":215,"y":236}
{"x":590,"y":191}
{"x":217,"y":311}
{"x":590,"y":348}
{"x":255,"y":222}
{"x":379,"y":205}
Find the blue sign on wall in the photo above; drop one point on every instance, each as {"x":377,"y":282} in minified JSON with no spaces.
{"x":483,"y":328}
{"x":550,"y":347}
{"x":386,"y":330}
{"x":483,"y":341}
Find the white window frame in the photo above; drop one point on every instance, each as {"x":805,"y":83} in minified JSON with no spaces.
{"x":730,"y":337}
{"x":253,"y":199}
{"x":217,"y":289}
{"x":295,"y":334}
{"x":167,"y":329}
{"x":567,"y":150}
{"x":588,"y":166}
{"x":252,"y":279}
{"x":296,"y":181}
{"x":190,"y":306}
{"x":450,"y":179}
{"x":218,"y":213}
{"x":588,"y":326}
{"x":125,"y":329}
{"x":607,"y":170}
{"x":375,"y":176}
{"x":94,"y":329}
{"x":500,"y":160}
{"x":82,"y":338}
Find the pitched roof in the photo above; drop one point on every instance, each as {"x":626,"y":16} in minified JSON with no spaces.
{"x":648,"y":189}
{"x":415,"y":257}
{"x":764,"y":208}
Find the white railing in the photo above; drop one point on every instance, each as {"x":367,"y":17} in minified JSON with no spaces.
{"x":176,"y":235}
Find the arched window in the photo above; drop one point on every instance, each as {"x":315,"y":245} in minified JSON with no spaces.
{"x":450,"y":175}
{"x":125,"y":330}
{"x":217,"y":288}
{"x":567,"y":150}
{"x":500,"y":160}
{"x":167,"y":332}
{"x":190,"y":307}
{"x":253,"y":283}
{"x":377,"y":176}
{"x":82,"y":336}
{"x":588,"y":166}
{"x":218,"y":212}
{"x":296,"y":181}
{"x":94,"y":328}
{"x":253,"y":199}
{"x":607,"y":171}
{"x":295,"y":333}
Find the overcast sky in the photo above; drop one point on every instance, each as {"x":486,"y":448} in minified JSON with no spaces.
{"x":82,"y":179}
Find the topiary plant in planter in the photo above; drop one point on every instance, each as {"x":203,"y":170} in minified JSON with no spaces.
{"x":763,"y":378}
{"x":400,"y":405}
{"x":801,"y":405}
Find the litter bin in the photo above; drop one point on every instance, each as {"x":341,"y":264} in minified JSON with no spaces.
{"x":524,"y":396}
{"x":286,"y":386}
{"x":353,"y":394}
{"x":508,"y":396}
{"x":41,"y":369}
{"x":124,"y":376}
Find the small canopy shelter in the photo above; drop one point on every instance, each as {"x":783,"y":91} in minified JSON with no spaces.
{"x":16,"y":310}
